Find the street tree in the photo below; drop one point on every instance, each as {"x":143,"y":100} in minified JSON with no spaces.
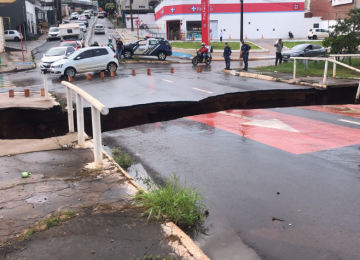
{"x":110,"y":7}
{"x":345,"y":35}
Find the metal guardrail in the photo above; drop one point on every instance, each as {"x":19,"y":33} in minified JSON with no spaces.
{"x":332,"y":59}
{"x":96,"y":109}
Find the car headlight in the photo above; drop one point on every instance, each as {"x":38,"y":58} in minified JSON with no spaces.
{"x":58,"y":66}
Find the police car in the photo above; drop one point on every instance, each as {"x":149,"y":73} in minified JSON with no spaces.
{"x":148,"y":47}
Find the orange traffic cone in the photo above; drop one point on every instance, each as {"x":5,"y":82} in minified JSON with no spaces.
{"x":246,"y":37}
{"x":229,"y":36}
{"x":262,"y":37}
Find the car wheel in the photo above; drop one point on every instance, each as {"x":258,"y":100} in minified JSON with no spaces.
{"x":70,"y":72}
{"x":314,"y":37}
{"x":127,"y":54}
{"x":16,"y":39}
{"x":161,"y":55}
{"x":112,"y":66}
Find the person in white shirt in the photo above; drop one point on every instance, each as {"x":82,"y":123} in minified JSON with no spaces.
{"x":221,"y":35}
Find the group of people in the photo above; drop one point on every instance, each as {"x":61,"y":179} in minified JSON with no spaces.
{"x":245,"y":48}
{"x":119,"y":46}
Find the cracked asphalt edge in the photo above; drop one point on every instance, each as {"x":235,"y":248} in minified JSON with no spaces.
{"x":185,"y":247}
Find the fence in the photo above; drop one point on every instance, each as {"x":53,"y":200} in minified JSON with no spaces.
{"x":96,"y":109}
{"x":332,"y":58}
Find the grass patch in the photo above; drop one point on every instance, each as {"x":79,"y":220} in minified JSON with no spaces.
{"x":215,"y":45}
{"x":53,"y":222}
{"x":121,"y":158}
{"x":316,"y":69}
{"x":179,"y":204}
{"x":292,"y":44}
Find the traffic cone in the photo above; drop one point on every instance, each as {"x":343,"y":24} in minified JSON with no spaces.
{"x":262,"y":37}
{"x":229,"y":36}
{"x":246,"y":37}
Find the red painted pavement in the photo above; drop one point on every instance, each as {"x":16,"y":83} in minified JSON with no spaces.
{"x":231,"y":8}
{"x":313,"y":136}
{"x":344,"y":110}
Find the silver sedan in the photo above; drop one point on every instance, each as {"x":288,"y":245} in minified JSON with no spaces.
{"x":305,"y":50}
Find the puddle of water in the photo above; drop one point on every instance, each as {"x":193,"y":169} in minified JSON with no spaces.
{"x":37,"y":199}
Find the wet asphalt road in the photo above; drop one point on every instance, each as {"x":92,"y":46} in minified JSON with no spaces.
{"x":241,"y":176}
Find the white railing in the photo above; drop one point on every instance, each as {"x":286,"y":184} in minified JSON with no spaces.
{"x":96,"y":109}
{"x":332,"y":59}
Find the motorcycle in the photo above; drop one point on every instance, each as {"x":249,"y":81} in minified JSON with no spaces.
{"x":200,"y":59}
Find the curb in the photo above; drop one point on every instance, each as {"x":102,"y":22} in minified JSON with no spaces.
{"x":250,"y":58}
{"x":270,"y":78}
{"x":18,"y":70}
{"x":186,"y":243}
{"x":88,"y":36}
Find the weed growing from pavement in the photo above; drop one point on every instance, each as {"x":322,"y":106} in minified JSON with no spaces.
{"x":65,"y":146}
{"x":61,"y":100}
{"x":179,"y":204}
{"x":121,"y":158}
{"x":156,"y":257}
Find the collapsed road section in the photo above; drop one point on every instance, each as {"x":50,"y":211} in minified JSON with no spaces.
{"x":37,"y":122}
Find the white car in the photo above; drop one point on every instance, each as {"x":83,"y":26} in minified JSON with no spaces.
{"x":74,"y":16}
{"x":82,"y":27}
{"x":54,"y":33}
{"x":100,"y":15}
{"x":318,"y":33}
{"x":99,"y":28}
{"x":84,"y":60}
{"x":54,"y":54}
{"x":12,"y":35}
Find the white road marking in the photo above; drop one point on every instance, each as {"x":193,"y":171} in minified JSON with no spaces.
{"x":202,"y":90}
{"x":269,"y":123}
{"x":166,"y":80}
{"x":348,"y":121}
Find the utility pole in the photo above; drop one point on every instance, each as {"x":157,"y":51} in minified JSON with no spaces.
{"x":241,"y":23}
{"x":131,"y":15}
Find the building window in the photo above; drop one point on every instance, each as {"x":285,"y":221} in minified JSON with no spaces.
{"x":141,"y":6}
{"x":128,"y":6}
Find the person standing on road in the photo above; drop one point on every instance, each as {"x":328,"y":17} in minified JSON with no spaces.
{"x":226,"y":55}
{"x":245,"y":48}
{"x":279,"y":46}
{"x":221,"y":35}
{"x":119,"y":49}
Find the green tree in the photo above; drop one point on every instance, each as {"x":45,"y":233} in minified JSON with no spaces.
{"x":110,"y":7}
{"x":345,"y":36}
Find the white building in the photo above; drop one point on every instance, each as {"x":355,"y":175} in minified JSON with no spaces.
{"x":262,"y":18}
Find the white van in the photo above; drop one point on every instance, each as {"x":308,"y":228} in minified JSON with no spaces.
{"x":71,"y":32}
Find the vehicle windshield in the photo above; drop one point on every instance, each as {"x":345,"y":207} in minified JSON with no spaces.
{"x":71,"y":38}
{"x":299,"y":47}
{"x":99,"y":26}
{"x":55,"y":52}
{"x":81,"y":24}
{"x":74,"y":54}
{"x":66,"y":44}
{"x":54,"y":29}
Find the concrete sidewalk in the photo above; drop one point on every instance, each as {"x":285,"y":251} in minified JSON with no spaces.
{"x":68,"y":208}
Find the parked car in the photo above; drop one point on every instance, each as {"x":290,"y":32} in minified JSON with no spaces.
{"x":84,"y":21}
{"x":65,"y":21}
{"x":305,"y":50}
{"x":317,"y":33}
{"x":76,"y":45}
{"x":84,"y":60}
{"x":99,"y":28}
{"x":54,"y":33}
{"x":150,"y":47}
{"x":82,"y":26}
{"x":12,"y":35}
{"x":100,"y":15}
{"x":55,"y":54}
